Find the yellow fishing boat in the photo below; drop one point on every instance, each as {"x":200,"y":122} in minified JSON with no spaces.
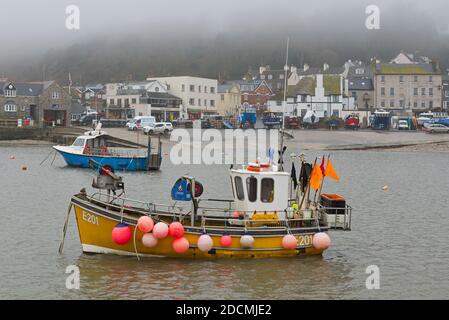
{"x":262,"y":220}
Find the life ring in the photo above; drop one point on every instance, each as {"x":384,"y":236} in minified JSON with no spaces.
{"x":257,"y":167}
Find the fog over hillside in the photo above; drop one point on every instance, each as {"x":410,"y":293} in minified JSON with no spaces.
{"x":121,"y":40}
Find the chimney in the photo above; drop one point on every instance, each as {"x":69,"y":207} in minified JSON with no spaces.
{"x":262,"y":69}
{"x":325,"y":67}
{"x":306,"y":67}
{"x":293,"y":69}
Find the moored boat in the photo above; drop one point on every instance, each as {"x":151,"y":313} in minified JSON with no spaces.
{"x":96,"y":146}
{"x":260,"y":221}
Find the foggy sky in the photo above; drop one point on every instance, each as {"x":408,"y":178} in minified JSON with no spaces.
{"x":35,"y":27}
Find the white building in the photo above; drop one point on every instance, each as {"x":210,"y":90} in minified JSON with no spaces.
{"x":141,"y":99}
{"x":323,"y":94}
{"x":199,"y":95}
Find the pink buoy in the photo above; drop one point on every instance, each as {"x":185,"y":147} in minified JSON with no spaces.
{"x":176,"y":230}
{"x":149,"y":240}
{"x":236,"y":214}
{"x":321,"y":241}
{"x":226,"y":241}
{"x":205,"y":243}
{"x":145,"y":224}
{"x":247,"y":242}
{"x":180,"y":245}
{"x":121,"y":234}
{"x":289,"y":242}
{"x":160,"y":230}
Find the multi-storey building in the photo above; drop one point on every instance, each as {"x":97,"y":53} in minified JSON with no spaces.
{"x":42,"y":103}
{"x":198,"y":95}
{"x":229,"y":99}
{"x":412,"y":86}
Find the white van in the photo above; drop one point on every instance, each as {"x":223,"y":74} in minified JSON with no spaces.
{"x":142,"y":121}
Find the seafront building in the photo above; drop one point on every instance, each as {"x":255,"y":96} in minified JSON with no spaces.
{"x":408,"y":84}
{"x":198,"y":95}
{"x":34,"y":103}
{"x":229,"y":100}
{"x":141,"y":98}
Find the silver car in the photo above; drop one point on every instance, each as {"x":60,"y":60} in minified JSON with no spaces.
{"x":436,"y":128}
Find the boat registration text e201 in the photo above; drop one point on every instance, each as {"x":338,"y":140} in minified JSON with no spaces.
{"x":305,"y":240}
{"x":90,"y":218}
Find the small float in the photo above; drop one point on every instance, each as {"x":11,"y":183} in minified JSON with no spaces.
{"x":268,"y":217}
{"x":96,"y":145}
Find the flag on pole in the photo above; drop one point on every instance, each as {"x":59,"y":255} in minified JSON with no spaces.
{"x":316,"y":177}
{"x":323,"y":170}
{"x":330,"y":171}
{"x":293,"y":176}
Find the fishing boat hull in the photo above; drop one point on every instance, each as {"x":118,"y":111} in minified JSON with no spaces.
{"x":117,"y":163}
{"x":95,"y":225}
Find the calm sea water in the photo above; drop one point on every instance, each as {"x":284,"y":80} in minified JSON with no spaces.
{"x":403,"y":231}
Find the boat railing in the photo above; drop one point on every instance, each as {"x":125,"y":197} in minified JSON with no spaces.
{"x":336,"y":218}
{"x":117,"y":152}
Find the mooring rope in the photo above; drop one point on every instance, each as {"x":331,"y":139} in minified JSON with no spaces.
{"x":135,"y":245}
{"x":64,"y":230}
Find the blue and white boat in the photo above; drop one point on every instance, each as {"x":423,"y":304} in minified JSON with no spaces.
{"x":96,"y":145}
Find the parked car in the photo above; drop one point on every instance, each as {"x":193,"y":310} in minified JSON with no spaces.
{"x":436,"y":128}
{"x":140,"y":122}
{"x":159,"y":127}
{"x":87,"y":119}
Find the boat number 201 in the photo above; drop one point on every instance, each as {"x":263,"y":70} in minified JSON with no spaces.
{"x":305,"y":241}
{"x":90,"y":218}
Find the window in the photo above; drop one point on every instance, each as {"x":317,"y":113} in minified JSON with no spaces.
{"x":382,"y":104}
{"x":382,"y":91}
{"x":134,"y":100}
{"x":192,"y":102}
{"x":391,"y":91}
{"x":423,"y":91}
{"x":205,"y":102}
{"x":391,"y":103}
{"x":126,"y":103}
{"x":212,"y":103}
{"x":212,"y":89}
{"x":415,"y":91}
{"x":222,"y":97}
{"x":359,"y":71}
{"x":430,"y":91}
{"x":430,"y":79}
{"x":239,"y":188}
{"x":423,"y":104}
{"x":10,"y":107}
{"x":262,"y":77}
{"x":303,"y":98}
{"x":430,"y":104}
{"x":199,"y":102}
{"x":111,"y":101}
{"x":281,"y":76}
{"x":245,"y":97}
{"x":183,"y":88}
{"x":415,"y":79}
{"x":199,"y":88}
{"x":415,"y":104}
{"x":192,"y":88}
{"x":401,"y":79}
{"x":279,"y":103}
{"x":205,"y":89}
{"x":156,"y":89}
{"x":402,"y":103}
{"x":79,"y":142}
{"x":267,"y":190}
{"x":55,"y":95}
{"x":270,"y":76}
{"x":251,"y":188}
{"x":382,"y":78}
{"x":119,"y":102}
{"x":354,"y":95}
{"x":335,"y":98}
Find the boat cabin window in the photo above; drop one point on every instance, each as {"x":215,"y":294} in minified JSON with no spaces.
{"x":239,"y":188}
{"x":267,"y":190}
{"x":251,"y":187}
{"x":79,"y":142}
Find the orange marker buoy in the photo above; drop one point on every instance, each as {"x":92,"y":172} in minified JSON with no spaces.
{"x":385,"y":188}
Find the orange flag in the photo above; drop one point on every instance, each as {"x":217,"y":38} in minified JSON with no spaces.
{"x":330,"y":171}
{"x":316,"y":177}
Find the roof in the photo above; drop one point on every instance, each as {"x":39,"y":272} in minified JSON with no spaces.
{"x":162,"y":96}
{"x":405,"y":69}
{"x":314,"y":71}
{"x":28,"y":89}
{"x":306,"y":86}
{"x":361,"y":84}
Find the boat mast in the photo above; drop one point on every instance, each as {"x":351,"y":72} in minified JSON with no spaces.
{"x":281,"y":150}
